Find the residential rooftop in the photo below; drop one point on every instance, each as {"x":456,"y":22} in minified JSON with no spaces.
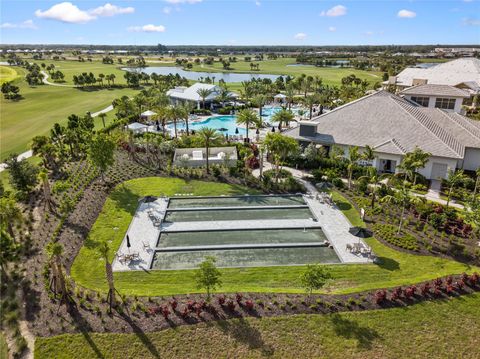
{"x":391,"y":124}
{"x":436,"y":90}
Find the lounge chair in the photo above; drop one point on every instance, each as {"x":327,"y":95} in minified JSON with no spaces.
{"x":197,"y":155}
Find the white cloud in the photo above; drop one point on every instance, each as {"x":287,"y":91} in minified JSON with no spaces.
{"x":70,"y":13}
{"x":111,"y":10}
{"x":167,"y":10}
{"x":300,"y":36}
{"x":147,"y":28}
{"x":470,"y":21}
{"x":27,"y":24}
{"x":338,"y":10}
{"x":332,"y":29}
{"x":65,"y":12}
{"x":406,"y":14}
{"x":258,"y":3}
{"x":183,"y":1}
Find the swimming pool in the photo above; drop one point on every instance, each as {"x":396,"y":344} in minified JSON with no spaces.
{"x":238,"y":201}
{"x":224,"y":124}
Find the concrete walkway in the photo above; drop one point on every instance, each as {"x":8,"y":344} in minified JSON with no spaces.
{"x":142,"y":231}
{"x":46,"y":82}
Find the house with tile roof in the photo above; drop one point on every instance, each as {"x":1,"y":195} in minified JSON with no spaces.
{"x":393,"y":126}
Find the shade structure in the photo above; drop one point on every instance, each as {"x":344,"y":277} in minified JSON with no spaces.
{"x":148,"y":199}
{"x":128,"y":242}
{"x":360,"y":232}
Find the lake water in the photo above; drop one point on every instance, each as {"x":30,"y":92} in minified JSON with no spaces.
{"x":426,"y":65}
{"x":196,"y":75}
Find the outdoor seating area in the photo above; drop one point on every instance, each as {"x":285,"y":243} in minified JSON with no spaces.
{"x":197,"y":157}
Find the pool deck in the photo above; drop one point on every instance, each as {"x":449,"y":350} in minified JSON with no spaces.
{"x":142,"y":230}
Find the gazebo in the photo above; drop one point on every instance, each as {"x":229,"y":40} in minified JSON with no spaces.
{"x":147,"y":115}
{"x":137,"y":127}
{"x":279,"y":98}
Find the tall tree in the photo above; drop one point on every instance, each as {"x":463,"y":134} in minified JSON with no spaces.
{"x":283,"y":117}
{"x":10,"y":214}
{"x":104,"y":250}
{"x":209,"y":136}
{"x":454,"y":178}
{"x":310,"y":101}
{"x":402,"y":198}
{"x":352,"y":158}
{"x":23,"y":174}
{"x":102,"y":116}
{"x":43,"y":177}
{"x":280,"y":147}
{"x":204,"y":93}
{"x":247,"y":118}
{"x":101,"y":152}
{"x":58,"y":281}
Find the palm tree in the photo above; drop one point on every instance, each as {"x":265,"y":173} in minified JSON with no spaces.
{"x":104,"y":250}
{"x":203,"y":93}
{"x":102,"y":115}
{"x":247,"y":91}
{"x":368,"y":154}
{"x":43,"y":177}
{"x":209,"y":137}
{"x":453,"y":179}
{"x":309,"y":101}
{"x":373,"y":179}
{"x":247,"y":117}
{"x":283,"y":117}
{"x":57,"y":282}
{"x":402,"y":197}
{"x":419,"y":159}
{"x":290,"y":93}
{"x":477,"y":183}
{"x":224,"y":96}
{"x":187,"y":108}
{"x":260,"y":100}
{"x":10,"y":214}
{"x":352,"y":158}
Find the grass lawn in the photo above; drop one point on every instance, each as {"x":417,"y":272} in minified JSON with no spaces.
{"x":397,"y":268}
{"x":41,"y":107}
{"x":439,"y":329}
{"x":7,"y":73}
{"x":330,"y":76}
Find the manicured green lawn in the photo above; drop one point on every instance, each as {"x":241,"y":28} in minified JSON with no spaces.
{"x":41,"y":107}
{"x":7,"y":73}
{"x":330,"y":76}
{"x":439,"y":329}
{"x":88,"y":269}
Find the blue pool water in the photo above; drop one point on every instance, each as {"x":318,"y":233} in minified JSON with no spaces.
{"x":216,"y":122}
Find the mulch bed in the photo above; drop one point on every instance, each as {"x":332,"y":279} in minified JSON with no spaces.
{"x":47,"y":317}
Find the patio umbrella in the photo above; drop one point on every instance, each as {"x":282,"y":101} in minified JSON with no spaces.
{"x":360,"y":232}
{"x":128,"y":243}
{"x":273,"y":129}
{"x":236,"y":131}
{"x":257,"y":132}
{"x":223,"y":129}
{"x":148,"y":199}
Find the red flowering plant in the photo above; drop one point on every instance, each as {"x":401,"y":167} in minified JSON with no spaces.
{"x":165,"y":312}
{"x":396,"y":294}
{"x":239,"y":297}
{"x":249,"y":304}
{"x":173,"y":304}
{"x":380,"y":296}
{"x":221,"y":300}
{"x":231,"y":305}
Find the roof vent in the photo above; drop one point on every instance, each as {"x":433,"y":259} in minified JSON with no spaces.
{"x":308,"y":129}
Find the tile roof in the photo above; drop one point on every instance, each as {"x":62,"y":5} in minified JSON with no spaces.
{"x":451,"y":73}
{"x":394,"y":125}
{"x":436,"y":90}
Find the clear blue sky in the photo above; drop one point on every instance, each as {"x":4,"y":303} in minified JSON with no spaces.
{"x":240,"y":22}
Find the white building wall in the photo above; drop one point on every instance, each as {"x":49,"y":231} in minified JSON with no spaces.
{"x":472,"y":159}
{"x":427,"y":170}
{"x":433,"y":99}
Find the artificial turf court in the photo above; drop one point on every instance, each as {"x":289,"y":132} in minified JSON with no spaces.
{"x":397,"y":268}
{"x":437,"y":329}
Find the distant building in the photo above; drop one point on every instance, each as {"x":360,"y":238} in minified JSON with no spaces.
{"x":393,"y":126}
{"x":190,"y":94}
{"x":444,"y":97}
{"x":461,"y":73}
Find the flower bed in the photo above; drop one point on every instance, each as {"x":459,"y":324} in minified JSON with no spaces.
{"x":389,"y":234}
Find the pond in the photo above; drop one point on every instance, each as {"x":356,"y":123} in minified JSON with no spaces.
{"x":197,"y":75}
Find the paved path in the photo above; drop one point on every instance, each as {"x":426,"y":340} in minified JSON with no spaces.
{"x":142,"y":230}
{"x":46,"y":82}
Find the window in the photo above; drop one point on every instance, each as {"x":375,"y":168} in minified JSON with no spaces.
{"x":422,"y":101}
{"x":445,"y":103}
